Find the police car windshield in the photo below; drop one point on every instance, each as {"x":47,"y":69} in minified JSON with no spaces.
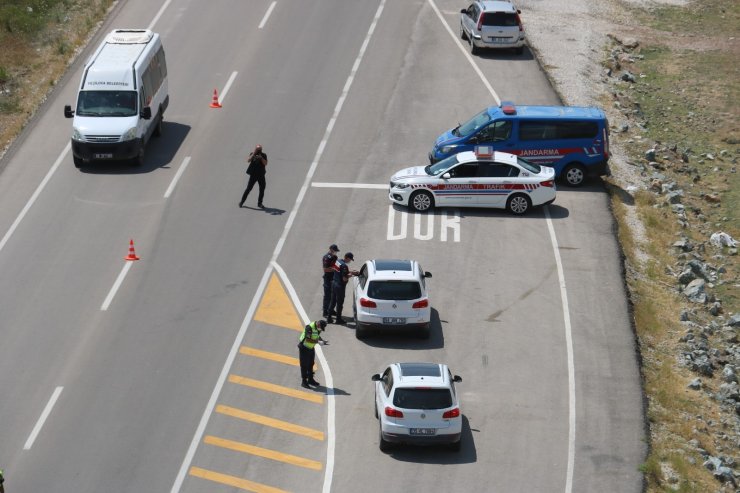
{"x":472,"y":125}
{"x":106,"y":103}
{"x":441,"y":166}
{"x":531,"y":167}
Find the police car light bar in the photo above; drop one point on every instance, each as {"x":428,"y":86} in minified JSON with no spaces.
{"x":484,"y":151}
{"x":508,"y":108}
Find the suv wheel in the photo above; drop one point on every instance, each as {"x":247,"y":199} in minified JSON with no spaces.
{"x":462,"y":32}
{"x":384,"y":445}
{"x":473,"y":48}
{"x":456,"y":446}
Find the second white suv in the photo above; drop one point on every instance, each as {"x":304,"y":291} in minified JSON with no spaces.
{"x":391,"y":295}
{"x":488,"y":24}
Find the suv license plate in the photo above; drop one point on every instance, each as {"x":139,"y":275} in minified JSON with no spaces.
{"x":422,"y":431}
{"x":107,"y":155}
{"x":394,"y":320}
{"x":499,"y":40}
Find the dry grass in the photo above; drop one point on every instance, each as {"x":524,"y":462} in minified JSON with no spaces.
{"x":37,"y":48}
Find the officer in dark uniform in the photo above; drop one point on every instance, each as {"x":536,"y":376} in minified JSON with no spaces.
{"x":310,"y":336}
{"x":339,"y":282}
{"x":327,"y":262}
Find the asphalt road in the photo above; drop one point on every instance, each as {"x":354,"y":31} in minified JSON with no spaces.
{"x":185,"y":382}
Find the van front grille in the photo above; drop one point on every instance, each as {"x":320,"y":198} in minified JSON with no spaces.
{"x":103,"y":139}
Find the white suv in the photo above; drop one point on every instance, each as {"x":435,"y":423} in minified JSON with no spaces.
{"x":391,"y":294}
{"x":492,"y":25}
{"x":417,"y":403}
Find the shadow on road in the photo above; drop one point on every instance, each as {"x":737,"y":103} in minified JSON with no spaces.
{"x":407,"y":339}
{"x":440,"y":454}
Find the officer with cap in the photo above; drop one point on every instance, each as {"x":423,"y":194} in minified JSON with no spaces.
{"x":339,"y":282}
{"x":310,"y":336}
{"x":327,"y":262}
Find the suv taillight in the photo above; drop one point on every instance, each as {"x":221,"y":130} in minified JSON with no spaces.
{"x":395,"y":413}
{"x":420,"y":304}
{"x":452,"y":413}
{"x":519,"y":22}
{"x":480,"y":22}
{"x":368,"y":303}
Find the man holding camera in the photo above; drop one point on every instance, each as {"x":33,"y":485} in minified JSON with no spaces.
{"x":310,"y":336}
{"x":256,"y":170}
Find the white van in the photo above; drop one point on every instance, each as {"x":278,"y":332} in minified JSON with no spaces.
{"x":122,"y":99}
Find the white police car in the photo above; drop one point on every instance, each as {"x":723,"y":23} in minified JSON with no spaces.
{"x":417,"y":403}
{"x":391,"y":295}
{"x":475,"y":179}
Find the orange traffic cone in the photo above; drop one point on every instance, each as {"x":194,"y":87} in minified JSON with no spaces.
{"x":214,"y":101}
{"x":131,"y":252}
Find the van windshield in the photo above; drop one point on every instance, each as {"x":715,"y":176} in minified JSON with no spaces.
{"x":472,"y":125}
{"x":106,"y":103}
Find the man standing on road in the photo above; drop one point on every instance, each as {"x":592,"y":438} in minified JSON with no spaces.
{"x":327,"y":262}
{"x":310,"y":336}
{"x":339,"y":282}
{"x":256,"y":170}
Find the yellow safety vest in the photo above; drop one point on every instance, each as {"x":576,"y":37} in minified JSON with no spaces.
{"x":310,"y":340}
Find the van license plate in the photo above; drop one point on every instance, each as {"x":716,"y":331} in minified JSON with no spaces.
{"x":107,"y":155}
{"x":499,"y":40}
{"x":422,"y":431}
{"x":394,"y":320}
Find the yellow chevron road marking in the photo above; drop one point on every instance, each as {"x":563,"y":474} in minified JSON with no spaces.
{"x":276,"y":307}
{"x":278,"y":389}
{"x":274,"y":423}
{"x":243,"y":484}
{"x":280,"y":358}
{"x":263,"y":452}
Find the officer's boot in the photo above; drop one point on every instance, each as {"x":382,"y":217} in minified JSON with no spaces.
{"x":304,"y":384}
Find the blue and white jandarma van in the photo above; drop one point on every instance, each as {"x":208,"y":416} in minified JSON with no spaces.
{"x":573,"y":140}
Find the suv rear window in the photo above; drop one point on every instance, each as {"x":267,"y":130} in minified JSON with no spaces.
{"x":499,"y":19}
{"x":394,"y":290}
{"x":422,"y":398}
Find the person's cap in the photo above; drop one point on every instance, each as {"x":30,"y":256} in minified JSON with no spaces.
{"x":349,"y":256}
{"x":334,"y":248}
{"x":322,"y":323}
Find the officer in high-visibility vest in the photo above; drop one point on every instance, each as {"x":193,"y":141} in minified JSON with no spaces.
{"x":310,"y":336}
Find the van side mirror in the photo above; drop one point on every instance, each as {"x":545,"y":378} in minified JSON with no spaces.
{"x":146,"y":113}
{"x":463,"y":11}
{"x":376,"y":377}
{"x":68,"y":113}
{"x":518,"y":11}
{"x":427,"y":274}
{"x":457,"y":378}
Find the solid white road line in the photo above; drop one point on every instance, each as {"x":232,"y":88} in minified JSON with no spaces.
{"x":267,"y":15}
{"x":42,"y":418}
{"x":561,"y":278}
{"x":226,"y":87}
{"x":159,"y":14}
{"x":569,"y":348}
{"x":329,"y":381}
{"x":35,"y":195}
{"x":465,"y":52}
{"x":374,"y":186}
{"x":329,"y":466}
{"x":116,"y":285}
{"x":179,"y":173}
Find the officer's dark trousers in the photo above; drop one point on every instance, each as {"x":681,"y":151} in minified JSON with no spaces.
{"x":327,"y":293}
{"x":337,"y":299}
{"x":260,"y":180}
{"x":306,"y":357}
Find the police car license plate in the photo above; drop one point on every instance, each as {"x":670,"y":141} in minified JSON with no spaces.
{"x":106,"y":155}
{"x":394,"y":320}
{"x":422,"y":431}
